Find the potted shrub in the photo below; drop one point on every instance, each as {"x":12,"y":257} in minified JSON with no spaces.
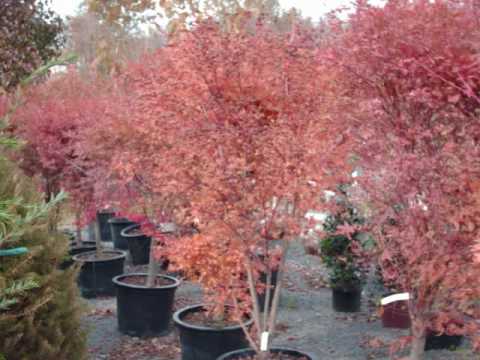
{"x":145,"y":300}
{"x":344,"y":254}
{"x":117,"y":225}
{"x":345,"y":278}
{"x":244,"y":165}
{"x":99,"y":267}
{"x":418,"y":179}
{"x":54,"y":121}
{"x":138,"y":244}
{"x":103,"y":218}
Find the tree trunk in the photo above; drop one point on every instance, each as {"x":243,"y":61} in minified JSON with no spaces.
{"x":418,"y":333}
{"x":78,"y":237}
{"x":152,"y":267}
{"x":418,"y":347}
{"x":98,"y":239}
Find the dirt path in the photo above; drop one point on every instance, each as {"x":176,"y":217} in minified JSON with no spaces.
{"x":306,"y":321}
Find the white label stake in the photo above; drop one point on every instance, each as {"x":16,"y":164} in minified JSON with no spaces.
{"x":264,"y":341}
{"x":395,"y":297}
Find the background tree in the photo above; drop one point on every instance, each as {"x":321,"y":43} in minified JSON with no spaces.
{"x":411,"y":83}
{"x":104,"y":47}
{"x":181,"y":13}
{"x":30,"y":35}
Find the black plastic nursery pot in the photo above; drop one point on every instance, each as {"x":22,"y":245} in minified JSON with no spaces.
{"x":443,"y":342}
{"x":247,"y":353}
{"x":117,"y":224}
{"x":346,"y":299}
{"x":103,"y":225}
{"x":85,"y":246}
{"x":138,"y":244}
{"x":96,"y":274}
{"x":207,"y":343}
{"x":142,"y":311}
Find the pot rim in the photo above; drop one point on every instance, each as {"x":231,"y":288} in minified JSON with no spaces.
{"x":125,"y":232}
{"x":134,"y":226}
{"x":352,"y":288}
{"x":240,"y":351}
{"x":82,"y":246}
{"x":177,"y":319}
{"x":120,"y":254}
{"x":120,"y":220}
{"x":117,"y":281}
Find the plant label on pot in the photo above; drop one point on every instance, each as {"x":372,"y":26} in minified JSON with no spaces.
{"x":264,"y":341}
{"x":395,"y":297}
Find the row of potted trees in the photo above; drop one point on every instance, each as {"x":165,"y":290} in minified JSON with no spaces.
{"x":236,"y":135}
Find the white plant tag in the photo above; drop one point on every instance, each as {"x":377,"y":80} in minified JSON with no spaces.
{"x":264,"y":341}
{"x":394,"y":297}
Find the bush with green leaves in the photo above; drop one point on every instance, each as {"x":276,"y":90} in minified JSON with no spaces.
{"x":344,"y":253}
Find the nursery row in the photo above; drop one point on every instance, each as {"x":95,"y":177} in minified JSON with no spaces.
{"x":359,"y":136}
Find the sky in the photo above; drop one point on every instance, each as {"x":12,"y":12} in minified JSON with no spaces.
{"x":311,"y":8}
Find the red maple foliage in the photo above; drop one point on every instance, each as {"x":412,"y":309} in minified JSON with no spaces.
{"x":51,"y":119}
{"x":411,"y":79}
{"x":233,"y":128}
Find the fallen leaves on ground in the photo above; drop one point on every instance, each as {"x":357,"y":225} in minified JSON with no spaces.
{"x":160,"y":348}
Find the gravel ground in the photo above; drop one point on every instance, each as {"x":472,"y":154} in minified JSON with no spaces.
{"x":306,"y":321}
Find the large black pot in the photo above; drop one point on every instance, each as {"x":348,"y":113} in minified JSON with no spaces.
{"x":247,"y":353}
{"x":138,"y":244}
{"x":443,"y":342}
{"x":103,"y":226}
{"x":206,"y":343}
{"x":117,"y":224}
{"x":95,"y":278}
{"x":346,"y":299}
{"x":143,"y":311}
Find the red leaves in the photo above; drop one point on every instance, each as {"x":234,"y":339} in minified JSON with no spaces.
{"x":417,"y":135}
{"x":226,"y":124}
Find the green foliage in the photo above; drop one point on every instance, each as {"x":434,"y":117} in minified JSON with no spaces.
{"x":39,"y":310}
{"x":18,"y":217}
{"x":8,"y":296}
{"x":342,"y":254}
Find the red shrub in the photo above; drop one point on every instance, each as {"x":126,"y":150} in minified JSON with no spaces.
{"x":412,"y":81}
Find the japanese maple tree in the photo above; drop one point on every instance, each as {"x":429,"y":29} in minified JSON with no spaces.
{"x":234,"y":126}
{"x":411,"y":82}
{"x":51,"y":121}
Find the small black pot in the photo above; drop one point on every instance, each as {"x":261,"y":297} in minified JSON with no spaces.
{"x":346,"y":300}
{"x":117,"y":224}
{"x":95,"y":278}
{"x":443,"y":342}
{"x":103,"y":226}
{"x":142,"y":311}
{"x":246,"y":353}
{"x":205,"y":343}
{"x":138,"y":245}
